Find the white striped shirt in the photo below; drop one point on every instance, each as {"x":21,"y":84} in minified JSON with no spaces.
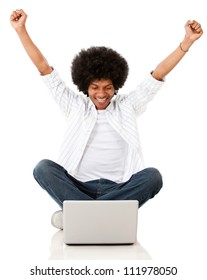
{"x":81,"y":116}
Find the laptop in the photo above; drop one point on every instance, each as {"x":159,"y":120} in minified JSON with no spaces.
{"x":100,"y":221}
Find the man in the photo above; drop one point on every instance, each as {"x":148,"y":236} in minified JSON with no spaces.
{"x":101,"y":156}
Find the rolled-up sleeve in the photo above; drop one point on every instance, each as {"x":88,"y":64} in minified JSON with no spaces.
{"x":144,"y":93}
{"x":64,"y":96}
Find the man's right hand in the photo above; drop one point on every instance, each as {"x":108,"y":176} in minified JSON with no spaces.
{"x":18,"y":19}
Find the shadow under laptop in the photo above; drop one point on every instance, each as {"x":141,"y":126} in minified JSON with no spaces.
{"x":60,"y":251}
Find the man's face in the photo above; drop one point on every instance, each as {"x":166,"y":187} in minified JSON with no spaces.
{"x":101,"y":92}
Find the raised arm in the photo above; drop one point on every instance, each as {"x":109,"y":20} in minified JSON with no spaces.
{"x":18,"y":21}
{"x":193,"y":32}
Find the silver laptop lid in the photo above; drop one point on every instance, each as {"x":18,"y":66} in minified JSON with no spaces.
{"x":100,"y":222}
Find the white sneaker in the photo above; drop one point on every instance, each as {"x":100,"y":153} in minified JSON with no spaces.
{"x":57,"y":219}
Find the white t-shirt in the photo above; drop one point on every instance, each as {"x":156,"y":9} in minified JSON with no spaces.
{"x":104,"y":155}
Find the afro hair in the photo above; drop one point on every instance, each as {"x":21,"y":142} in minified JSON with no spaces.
{"x":96,"y":63}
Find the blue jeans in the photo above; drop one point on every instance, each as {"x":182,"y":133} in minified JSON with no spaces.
{"x":60,"y":185}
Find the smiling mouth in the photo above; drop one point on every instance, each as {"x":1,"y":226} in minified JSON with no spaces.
{"x":101,"y":100}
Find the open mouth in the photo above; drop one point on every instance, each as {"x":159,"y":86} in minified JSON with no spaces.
{"x":101,"y":100}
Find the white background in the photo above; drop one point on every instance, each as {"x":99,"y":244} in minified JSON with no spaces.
{"x":172,"y":226}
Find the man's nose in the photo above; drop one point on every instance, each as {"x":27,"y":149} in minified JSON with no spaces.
{"x":101,"y":91}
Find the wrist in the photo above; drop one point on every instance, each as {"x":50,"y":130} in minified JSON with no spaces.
{"x":20,"y":29}
{"x":186,"y":44}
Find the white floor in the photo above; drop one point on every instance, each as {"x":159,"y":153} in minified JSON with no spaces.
{"x":60,"y":251}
